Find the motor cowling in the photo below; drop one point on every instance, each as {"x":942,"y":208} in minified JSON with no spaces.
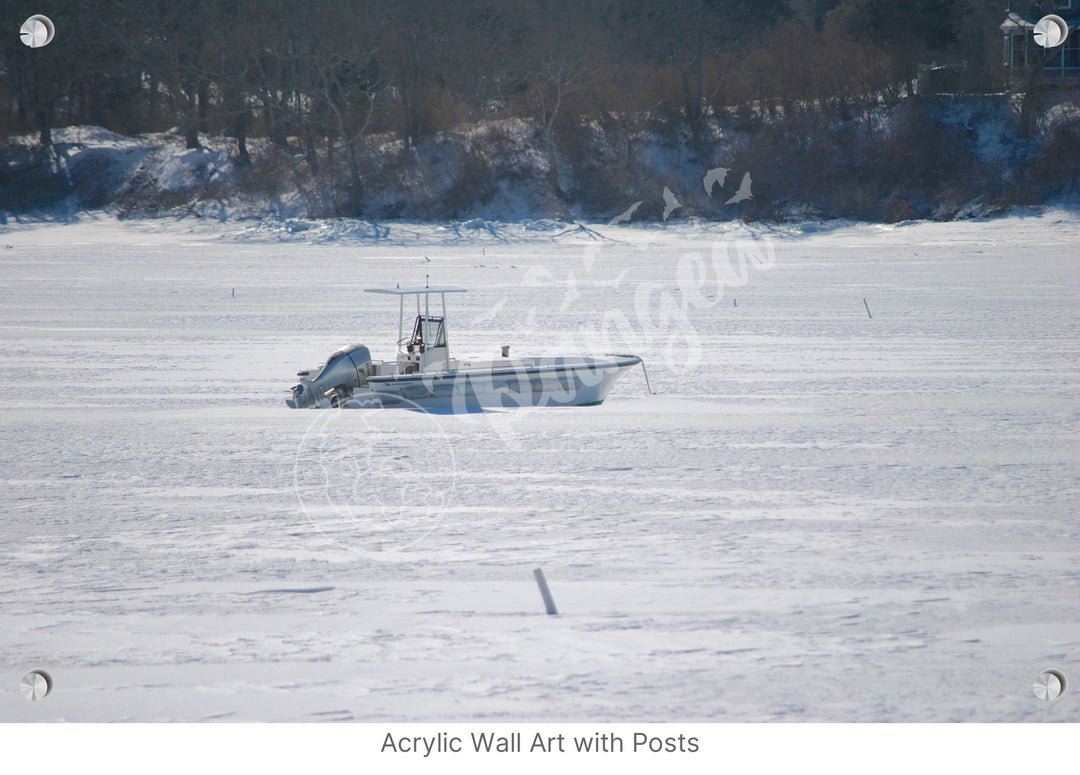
{"x":343,"y":372}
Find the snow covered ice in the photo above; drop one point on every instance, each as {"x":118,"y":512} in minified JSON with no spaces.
{"x":820,"y":515}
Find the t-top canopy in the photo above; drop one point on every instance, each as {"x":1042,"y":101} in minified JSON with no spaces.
{"x":414,"y":291}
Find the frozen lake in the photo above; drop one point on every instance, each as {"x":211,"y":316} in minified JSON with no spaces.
{"x":819,"y":515}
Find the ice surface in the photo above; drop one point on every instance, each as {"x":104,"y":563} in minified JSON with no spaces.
{"x":820,"y":515}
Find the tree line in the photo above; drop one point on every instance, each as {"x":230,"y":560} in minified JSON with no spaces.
{"x":324,"y":74}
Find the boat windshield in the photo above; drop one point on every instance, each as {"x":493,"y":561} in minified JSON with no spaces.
{"x":429,"y":331}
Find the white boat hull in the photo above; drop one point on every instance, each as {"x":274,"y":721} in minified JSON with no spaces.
{"x":571,"y":381}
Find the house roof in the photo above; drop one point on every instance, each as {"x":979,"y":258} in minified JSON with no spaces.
{"x":1015,"y":24}
{"x":1013,"y":21}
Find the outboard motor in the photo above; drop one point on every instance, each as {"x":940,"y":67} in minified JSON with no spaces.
{"x":343,"y":371}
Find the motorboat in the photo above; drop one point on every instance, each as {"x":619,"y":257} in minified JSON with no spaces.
{"x":424,"y":374}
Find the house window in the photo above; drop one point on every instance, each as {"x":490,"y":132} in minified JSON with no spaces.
{"x":1018,"y":49}
{"x":1070,"y":53}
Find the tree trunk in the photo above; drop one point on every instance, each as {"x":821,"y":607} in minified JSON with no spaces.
{"x":275,"y":117}
{"x":549,"y":147}
{"x":97,"y":102}
{"x":203,"y":105}
{"x":240,"y":128}
{"x":191,"y":133}
{"x":44,"y":116}
{"x":236,"y":106}
{"x":1031,"y":97}
{"x":72,"y":101}
{"x":409,"y":99}
{"x":692,"y":98}
{"x":1026,"y":127}
{"x":309,"y":148}
{"x":356,"y":187}
{"x":21,"y":112}
{"x":155,"y":103}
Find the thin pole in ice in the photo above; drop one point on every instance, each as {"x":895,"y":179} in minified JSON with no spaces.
{"x":549,"y":601}
{"x":648,"y":387}
{"x":867,"y":309}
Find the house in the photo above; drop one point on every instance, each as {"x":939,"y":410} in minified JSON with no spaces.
{"x":1022,"y":52}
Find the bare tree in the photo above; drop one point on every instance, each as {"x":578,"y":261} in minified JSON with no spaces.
{"x":686,"y":35}
{"x":905,"y":30}
{"x":560,"y":59}
{"x":348,"y":87}
{"x":483,"y":67}
{"x":173,"y":42}
{"x":42,"y":78}
{"x":414,"y":41}
{"x":282,"y":69}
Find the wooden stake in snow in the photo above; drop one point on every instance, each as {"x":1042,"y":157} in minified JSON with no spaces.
{"x":549,"y":602}
{"x":867,"y":309}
